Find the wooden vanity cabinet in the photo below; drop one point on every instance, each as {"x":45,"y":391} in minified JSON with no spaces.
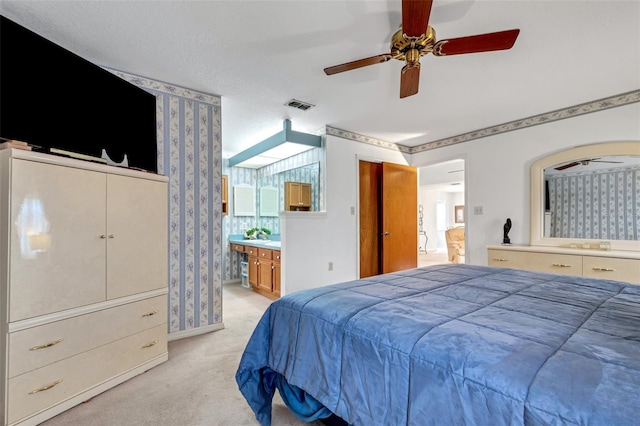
{"x":264,"y":272}
{"x":297,"y":196}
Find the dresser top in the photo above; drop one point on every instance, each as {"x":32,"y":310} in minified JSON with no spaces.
{"x":568,"y":250}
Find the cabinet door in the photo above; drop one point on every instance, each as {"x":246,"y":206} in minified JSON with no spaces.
{"x":276,"y":278}
{"x":265,"y":276}
{"x":292,"y":195}
{"x":253,"y":271}
{"x":305,"y":195}
{"x":137,"y":258}
{"x":57,"y":238}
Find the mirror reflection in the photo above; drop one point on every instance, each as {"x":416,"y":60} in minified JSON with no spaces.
{"x":593,"y":197}
{"x":305,"y":174}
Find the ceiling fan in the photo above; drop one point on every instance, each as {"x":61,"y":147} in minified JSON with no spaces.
{"x":416,"y":38}
{"x":585,"y":163}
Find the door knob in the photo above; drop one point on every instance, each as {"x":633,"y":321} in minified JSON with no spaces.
{"x":385,"y":234}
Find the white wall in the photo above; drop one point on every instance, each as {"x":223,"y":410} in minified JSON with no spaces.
{"x":311,"y":240}
{"x":496,"y":178}
{"x":497,"y":170}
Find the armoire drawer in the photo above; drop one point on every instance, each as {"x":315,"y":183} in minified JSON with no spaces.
{"x":37,"y":390}
{"x":611,"y":268}
{"x":42,"y":345}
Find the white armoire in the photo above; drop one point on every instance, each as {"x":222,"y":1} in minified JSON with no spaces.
{"x":83,"y":280}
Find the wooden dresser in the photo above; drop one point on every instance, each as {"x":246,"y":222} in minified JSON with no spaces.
{"x":612,"y":265}
{"x":83,"y":281}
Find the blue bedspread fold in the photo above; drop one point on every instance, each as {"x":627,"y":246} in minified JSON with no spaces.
{"x":452,"y":344}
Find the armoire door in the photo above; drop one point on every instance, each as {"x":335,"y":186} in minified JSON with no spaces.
{"x":388,"y":217}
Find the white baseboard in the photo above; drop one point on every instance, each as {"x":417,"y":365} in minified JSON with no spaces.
{"x":195,"y":331}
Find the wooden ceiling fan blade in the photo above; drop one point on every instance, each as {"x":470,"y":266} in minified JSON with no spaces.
{"x":415,"y":17}
{"x":358,"y":64}
{"x":501,"y":40}
{"x":409,"y":79}
{"x":566,"y":166}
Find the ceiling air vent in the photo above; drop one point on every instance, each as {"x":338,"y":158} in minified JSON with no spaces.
{"x":294,"y":103}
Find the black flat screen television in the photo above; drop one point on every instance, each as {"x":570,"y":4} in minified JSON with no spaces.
{"x":53,"y":98}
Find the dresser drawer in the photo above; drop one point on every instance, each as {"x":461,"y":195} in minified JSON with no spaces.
{"x":507,"y":258}
{"x":612,"y":268}
{"x":38,"y":346}
{"x":40,"y":389}
{"x":253,"y":251}
{"x":566,"y":264}
{"x":276,"y":255}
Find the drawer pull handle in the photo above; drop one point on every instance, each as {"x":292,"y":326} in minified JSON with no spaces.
{"x":499,"y":259}
{"x":561,"y":265}
{"x":46,"y":387}
{"x":148,"y":345}
{"x":148,"y":314}
{"x":111,"y":236}
{"x":46,"y":345}
{"x":604,"y":269}
{"x":103,"y":236}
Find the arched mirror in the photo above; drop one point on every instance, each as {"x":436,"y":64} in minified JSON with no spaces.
{"x":587,"y":196}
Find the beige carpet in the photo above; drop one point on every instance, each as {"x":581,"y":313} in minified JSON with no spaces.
{"x":196,"y":387}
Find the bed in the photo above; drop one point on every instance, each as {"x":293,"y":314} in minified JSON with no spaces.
{"x":451,"y":345}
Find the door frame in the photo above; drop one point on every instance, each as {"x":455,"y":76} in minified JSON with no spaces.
{"x":360,"y":157}
{"x":357,"y":211}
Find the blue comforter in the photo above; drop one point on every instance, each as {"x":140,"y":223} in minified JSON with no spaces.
{"x":454,"y":345}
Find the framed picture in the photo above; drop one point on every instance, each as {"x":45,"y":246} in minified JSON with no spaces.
{"x":459,"y":214}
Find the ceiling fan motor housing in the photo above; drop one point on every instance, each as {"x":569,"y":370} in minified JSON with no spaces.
{"x":410,"y":49}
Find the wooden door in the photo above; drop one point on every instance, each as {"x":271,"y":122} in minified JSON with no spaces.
{"x":399,"y":209}
{"x":369,"y":218}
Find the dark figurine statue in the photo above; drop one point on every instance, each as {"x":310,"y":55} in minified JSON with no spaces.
{"x":506,"y":228}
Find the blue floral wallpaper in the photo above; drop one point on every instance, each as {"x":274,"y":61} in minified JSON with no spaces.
{"x":600,"y":204}
{"x":190,"y":153}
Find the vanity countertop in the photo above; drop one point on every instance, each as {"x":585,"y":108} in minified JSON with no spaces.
{"x":272,"y":243}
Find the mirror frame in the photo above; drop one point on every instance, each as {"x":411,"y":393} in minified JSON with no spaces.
{"x":537,"y":237}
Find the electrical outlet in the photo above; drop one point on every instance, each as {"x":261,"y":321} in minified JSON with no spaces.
{"x":477,"y":210}
{"x":331,"y":266}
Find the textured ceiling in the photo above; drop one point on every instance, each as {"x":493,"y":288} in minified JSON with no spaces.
{"x":257,"y":55}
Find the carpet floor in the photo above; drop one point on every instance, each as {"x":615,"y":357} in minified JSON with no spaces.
{"x":195,"y":387}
